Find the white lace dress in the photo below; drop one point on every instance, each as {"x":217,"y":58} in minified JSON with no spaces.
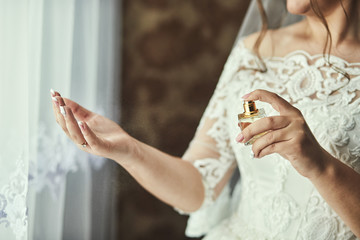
{"x":272,"y":200}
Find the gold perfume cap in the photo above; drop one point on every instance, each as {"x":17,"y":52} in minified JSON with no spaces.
{"x":249,"y":108}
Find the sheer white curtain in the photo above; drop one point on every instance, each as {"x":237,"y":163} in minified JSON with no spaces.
{"x":46,"y":183}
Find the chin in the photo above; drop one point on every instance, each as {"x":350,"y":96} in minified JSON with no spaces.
{"x":298,"y":7}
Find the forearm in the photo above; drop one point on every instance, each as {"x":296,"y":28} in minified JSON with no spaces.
{"x":340,"y":187}
{"x":171,"y":179}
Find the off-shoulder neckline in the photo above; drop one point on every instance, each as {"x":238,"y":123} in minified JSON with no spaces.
{"x":293,"y":53}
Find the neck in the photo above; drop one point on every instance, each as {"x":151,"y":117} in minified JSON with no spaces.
{"x":338,"y":24}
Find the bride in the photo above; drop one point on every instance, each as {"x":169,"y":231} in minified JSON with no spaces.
{"x":298,"y":181}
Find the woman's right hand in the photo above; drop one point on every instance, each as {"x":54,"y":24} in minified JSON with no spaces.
{"x":91,"y":132}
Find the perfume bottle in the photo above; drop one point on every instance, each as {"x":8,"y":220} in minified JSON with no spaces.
{"x":250,"y":115}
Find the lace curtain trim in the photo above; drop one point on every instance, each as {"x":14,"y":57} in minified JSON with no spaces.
{"x":54,"y":157}
{"x":13,"y":211}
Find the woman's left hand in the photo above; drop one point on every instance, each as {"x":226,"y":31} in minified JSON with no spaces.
{"x":288,"y":135}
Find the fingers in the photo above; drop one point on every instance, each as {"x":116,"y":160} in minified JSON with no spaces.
{"x":263,"y":125}
{"x":55,"y":102}
{"x":267,"y":144}
{"x":73,"y":127}
{"x":272,"y":148}
{"x":79,"y":112}
{"x":90,"y":137}
{"x":65,"y":118}
{"x":58,"y":107}
{"x":277,"y":102}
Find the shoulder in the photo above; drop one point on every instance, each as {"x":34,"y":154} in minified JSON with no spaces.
{"x":276,"y":42}
{"x":249,"y":41}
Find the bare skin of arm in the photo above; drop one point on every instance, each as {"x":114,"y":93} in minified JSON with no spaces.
{"x":339,"y":186}
{"x":171,"y":179}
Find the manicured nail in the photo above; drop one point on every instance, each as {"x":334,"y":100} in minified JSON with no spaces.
{"x":246,"y":96}
{"x":81,"y":125}
{"x":52,"y":92}
{"x":252,"y":155}
{"x":239,"y":138}
{"x":62,"y":110}
{"x":55,"y":101}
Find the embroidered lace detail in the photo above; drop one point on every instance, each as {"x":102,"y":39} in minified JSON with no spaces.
{"x":235,"y":228}
{"x":321,"y":223}
{"x":13,"y":211}
{"x":212,"y":155}
{"x":319,"y":92}
{"x":209,"y":215}
{"x":279,"y":210}
{"x":214,"y":165}
{"x":341,"y":136}
{"x":276,"y":202}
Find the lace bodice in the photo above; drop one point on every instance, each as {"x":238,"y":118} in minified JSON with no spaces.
{"x":272,"y":200}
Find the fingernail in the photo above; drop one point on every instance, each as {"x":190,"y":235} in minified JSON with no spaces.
{"x":246,"y":96}
{"x":52,"y":92}
{"x":252,"y":155}
{"x":56,"y":102}
{"x":62,"y":110}
{"x":239,"y":138}
{"x":81,"y":125}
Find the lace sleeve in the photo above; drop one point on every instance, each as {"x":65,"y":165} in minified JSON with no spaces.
{"x":211,"y":153}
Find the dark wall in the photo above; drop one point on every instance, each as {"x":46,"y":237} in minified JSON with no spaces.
{"x":173,"y":54}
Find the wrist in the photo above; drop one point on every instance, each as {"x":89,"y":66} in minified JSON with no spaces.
{"x":326,"y":167}
{"x":127,"y":151}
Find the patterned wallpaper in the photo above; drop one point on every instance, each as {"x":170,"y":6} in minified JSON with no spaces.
{"x":173,"y":54}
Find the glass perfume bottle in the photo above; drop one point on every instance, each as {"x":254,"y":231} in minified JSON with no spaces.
{"x":250,"y":115}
